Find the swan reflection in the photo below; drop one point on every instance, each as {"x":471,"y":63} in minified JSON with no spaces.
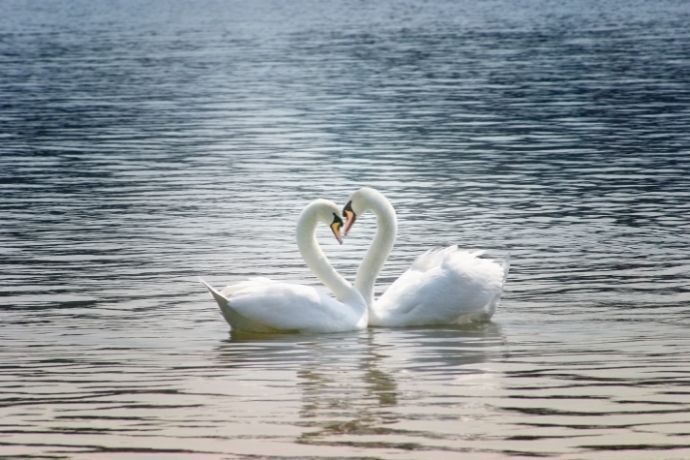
{"x":351,"y":384}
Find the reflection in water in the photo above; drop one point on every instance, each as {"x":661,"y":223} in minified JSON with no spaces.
{"x":143,"y":146}
{"x":352,"y":388}
{"x":334,"y":406}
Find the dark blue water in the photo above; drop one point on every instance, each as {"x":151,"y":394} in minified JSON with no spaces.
{"x":144,"y":145}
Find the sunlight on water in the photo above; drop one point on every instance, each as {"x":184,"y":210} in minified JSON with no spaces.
{"x":143,"y":146}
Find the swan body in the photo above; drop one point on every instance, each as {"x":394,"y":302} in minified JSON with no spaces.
{"x":264,"y":305}
{"x":443,"y":286}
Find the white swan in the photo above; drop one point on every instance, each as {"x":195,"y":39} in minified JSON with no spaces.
{"x":264,"y":305}
{"x":443,"y":286}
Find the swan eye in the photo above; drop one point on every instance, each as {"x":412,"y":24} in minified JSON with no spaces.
{"x":337,"y":221}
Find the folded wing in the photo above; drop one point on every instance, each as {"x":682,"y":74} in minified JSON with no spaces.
{"x":446,"y":286}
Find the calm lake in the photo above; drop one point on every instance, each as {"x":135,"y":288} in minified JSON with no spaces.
{"x":146,"y":144}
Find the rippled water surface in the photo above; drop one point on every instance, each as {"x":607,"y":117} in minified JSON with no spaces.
{"x":144,"y":144}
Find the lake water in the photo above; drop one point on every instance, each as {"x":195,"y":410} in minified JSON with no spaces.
{"x":145,"y":144}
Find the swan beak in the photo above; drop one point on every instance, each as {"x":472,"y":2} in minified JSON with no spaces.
{"x":336,"y":225}
{"x":349,"y":216}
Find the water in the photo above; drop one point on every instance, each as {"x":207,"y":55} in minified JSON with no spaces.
{"x":144,"y":145}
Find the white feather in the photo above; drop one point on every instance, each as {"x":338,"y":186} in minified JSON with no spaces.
{"x":263,"y":305}
{"x":443,"y":286}
{"x":446,"y":286}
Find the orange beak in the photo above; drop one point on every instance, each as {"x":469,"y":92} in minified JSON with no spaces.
{"x":335,"y":228}
{"x":349,"y":216}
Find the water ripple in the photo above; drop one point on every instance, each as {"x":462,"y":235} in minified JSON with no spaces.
{"x":145,"y":145}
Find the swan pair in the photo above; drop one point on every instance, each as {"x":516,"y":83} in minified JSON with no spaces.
{"x":446,"y":286}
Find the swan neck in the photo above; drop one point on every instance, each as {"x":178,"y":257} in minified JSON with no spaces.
{"x":380,"y":249}
{"x":318,"y":263}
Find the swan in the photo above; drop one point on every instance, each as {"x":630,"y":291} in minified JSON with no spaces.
{"x":443,"y":286}
{"x":263,"y":305}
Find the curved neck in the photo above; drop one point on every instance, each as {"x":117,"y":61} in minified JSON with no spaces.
{"x":380,"y":249}
{"x":317,"y":261}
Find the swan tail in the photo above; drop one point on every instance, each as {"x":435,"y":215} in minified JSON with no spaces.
{"x":220,"y":299}
{"x":236,"y":320}
{"x":502,"y":259}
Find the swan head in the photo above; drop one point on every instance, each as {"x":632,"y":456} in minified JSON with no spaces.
{"x":327,"y":212}
{"x":360,"y":202}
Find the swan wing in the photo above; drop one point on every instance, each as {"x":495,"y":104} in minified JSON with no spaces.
{"x":265,"y":305}
{"x":445,"y":286}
